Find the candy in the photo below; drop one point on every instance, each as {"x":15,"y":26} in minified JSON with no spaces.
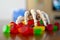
{"x":31,"y":23}
{"x":38,"y":30}
{"x":38,"y":23}
{"x":58,"y":25}
{"x":13,"y":30}
{"x":6,"y":31}
{"x":55,"y":28}
{"x":41,"y":22}
{"x":24,"y":30}
{"x":49,"y":27}
{"x":13,"y":27}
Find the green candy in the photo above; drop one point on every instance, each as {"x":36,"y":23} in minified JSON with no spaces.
{"x":41,"y":22}
{"x":55,"y":28}
{"x":37,"y":32}
{"x":6,"y":31}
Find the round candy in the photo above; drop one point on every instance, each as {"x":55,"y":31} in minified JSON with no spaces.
{"x":19,"y":26}
{"x":31,"y":23}
{"x":12,"y":24}
{"x":24,"y":30}
{"x":49,"y":27}
{"x":55,"y":28}
{"x":58,"y":25}
{"x":38,"y":23}
{"x":41,"y":22}
{"x":13,"y":28}
{"x":42,"y":28}
{"x":38,"y":30}
{"x":6,"y":31}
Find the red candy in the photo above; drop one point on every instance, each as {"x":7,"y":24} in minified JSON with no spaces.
{"x":13,"y":30}
{"x":20,"y":25}
{"x":24,"y":30}
{"x":58,"y":25}
{"x":30,"y":22}
{"x":50,"y":27}
{"x":38,"y":23}
{"x":30,"y":31}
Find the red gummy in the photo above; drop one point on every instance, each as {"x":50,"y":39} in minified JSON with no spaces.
{"x":50,"y":27}
{"x":24,"y":30}
{"x":30,"y":31}
{"x":13,"y":24}
{"x":58,"y":25}
{"x":30,"y":22}
{"x":13,"y":29}
{"x":20,"y":25}
{"x":38,"y":23}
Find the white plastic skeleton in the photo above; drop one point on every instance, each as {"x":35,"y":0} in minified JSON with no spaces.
{"x":19,"y":19}
{"x":44,"y":17}
{"x":42,"y":14}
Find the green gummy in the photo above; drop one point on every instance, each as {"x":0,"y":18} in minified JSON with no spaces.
{"x":55,"y":28}
{"x":41,"y":22}
{"x":37,"y":32}
{"x":6,"y":31}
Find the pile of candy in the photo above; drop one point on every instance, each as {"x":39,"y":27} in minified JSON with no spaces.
{"x":32,"y":24}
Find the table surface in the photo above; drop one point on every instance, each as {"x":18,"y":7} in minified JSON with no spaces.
{"x":3,"y":22}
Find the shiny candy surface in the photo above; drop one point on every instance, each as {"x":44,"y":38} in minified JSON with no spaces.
{"x":30,"y":22}
{"x":41,"y":22}
{"x":38,"y":30}
{"x":6,"y":31}
{"x":58,"y":25}
{"x":13,"y":28}
{"x":49,"y":27}
{"x":55,"y":28}
{"x":24,"y":30}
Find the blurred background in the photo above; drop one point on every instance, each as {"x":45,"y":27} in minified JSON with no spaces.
{"x":7,"y":8}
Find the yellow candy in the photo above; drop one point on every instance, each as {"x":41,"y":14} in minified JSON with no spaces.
{"x":40,"y":27}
